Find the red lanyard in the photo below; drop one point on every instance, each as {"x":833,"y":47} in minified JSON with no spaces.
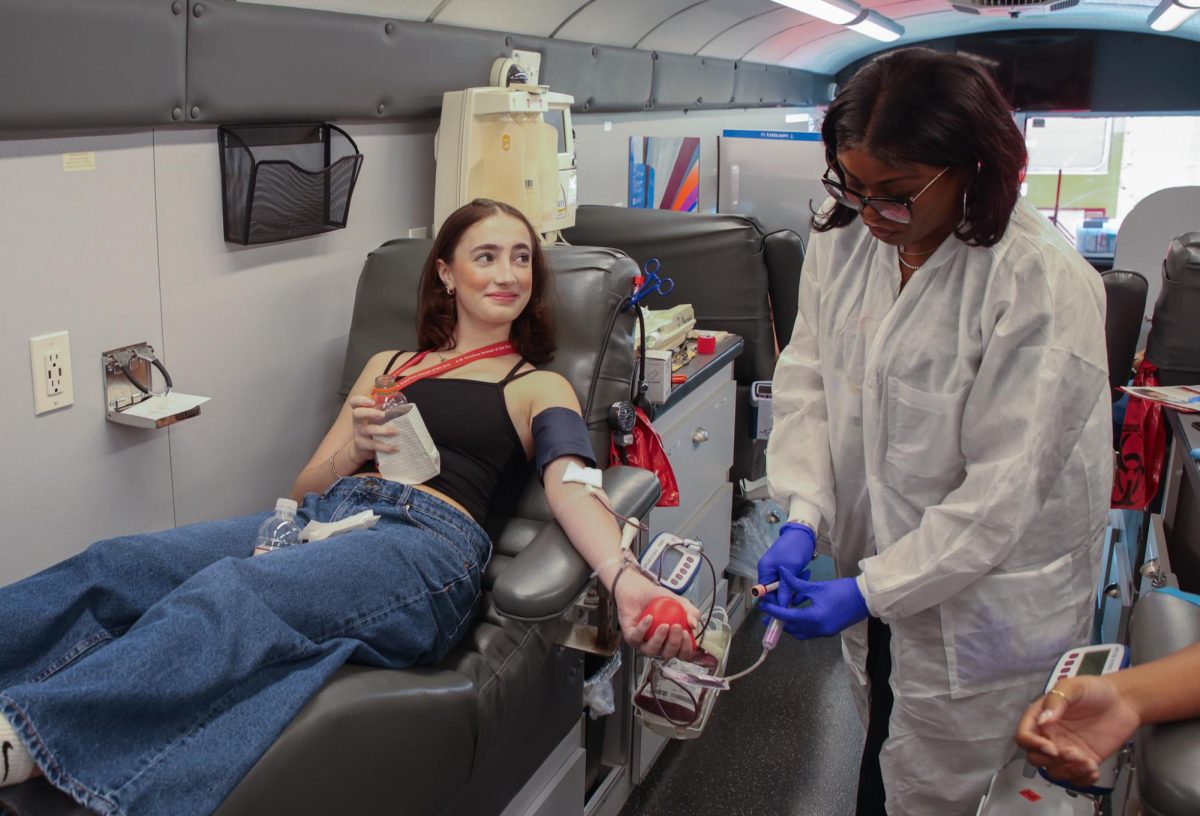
{"x":494,"y":350}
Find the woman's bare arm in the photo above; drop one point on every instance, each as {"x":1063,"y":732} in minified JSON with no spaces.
{"x":350,"y":441}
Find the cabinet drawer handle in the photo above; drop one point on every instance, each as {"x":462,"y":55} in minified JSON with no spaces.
{"x":699,"y":436}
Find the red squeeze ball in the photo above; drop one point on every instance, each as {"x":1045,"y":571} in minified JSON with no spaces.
{"x":664,"y":610}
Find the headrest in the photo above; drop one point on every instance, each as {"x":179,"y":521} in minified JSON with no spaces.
{"x":716,"y":262}
{"x":1174,"y":341}
{"x":1183,"y":259}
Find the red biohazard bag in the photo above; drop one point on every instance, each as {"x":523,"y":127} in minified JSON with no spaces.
{"x":647,"y":452}
{"x":1143,"y":445}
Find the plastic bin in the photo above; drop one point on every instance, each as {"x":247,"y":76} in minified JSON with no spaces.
{"x":285,"y":181}
{"x":1096,"y":237}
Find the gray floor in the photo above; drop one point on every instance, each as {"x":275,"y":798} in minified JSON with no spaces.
{"x":785,"y":740}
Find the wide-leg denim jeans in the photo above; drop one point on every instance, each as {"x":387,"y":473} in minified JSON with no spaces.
{"x":150,"y":672}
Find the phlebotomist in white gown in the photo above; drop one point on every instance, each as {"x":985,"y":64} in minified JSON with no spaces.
{"x":942,"y":419}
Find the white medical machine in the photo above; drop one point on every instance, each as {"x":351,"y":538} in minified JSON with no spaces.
{"x":676,"y":561}
{"x":513,"y":144}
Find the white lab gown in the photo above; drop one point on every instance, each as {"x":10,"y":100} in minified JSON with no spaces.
{"x":955,"y":440}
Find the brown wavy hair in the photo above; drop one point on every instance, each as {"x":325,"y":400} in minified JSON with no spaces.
{"x":532,"y":331}
{"x":920,"y":106}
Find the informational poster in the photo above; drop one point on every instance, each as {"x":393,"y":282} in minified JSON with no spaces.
{"x":664,"y":172}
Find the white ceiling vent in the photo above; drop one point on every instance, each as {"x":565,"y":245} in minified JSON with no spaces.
{"x":1011,"y":8}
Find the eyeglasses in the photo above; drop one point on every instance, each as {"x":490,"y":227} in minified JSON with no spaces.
{"x":898,"y":210}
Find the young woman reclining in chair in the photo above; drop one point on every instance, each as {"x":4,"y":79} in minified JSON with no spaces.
{"x":147,"y":674}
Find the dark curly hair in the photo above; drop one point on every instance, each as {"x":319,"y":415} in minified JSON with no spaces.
{"x":920,"y":106}
{"x":532,"y":331}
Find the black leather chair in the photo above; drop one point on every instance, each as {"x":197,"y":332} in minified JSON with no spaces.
{"x":1166,"y":755}
{"x":463,"y":736}
{"x":1126,"y":295}
{"x":735,"y":277}
{"x":1174,"y":341}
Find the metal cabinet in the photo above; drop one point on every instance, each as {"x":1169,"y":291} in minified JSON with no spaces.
{"x":697,"y":434}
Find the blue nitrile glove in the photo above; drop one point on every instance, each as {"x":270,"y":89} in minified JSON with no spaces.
{"x":793,"y":549}
{"x":835,"y":605}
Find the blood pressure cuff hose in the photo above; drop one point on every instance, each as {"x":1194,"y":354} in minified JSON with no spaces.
{"x":560,"y":432}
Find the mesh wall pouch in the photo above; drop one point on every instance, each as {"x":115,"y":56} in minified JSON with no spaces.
{"x":285,"y":181}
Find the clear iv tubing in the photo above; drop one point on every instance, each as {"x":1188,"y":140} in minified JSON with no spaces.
{"x":770,"y":641}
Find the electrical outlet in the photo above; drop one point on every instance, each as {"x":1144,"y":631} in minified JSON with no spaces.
{"x":50,"y":360}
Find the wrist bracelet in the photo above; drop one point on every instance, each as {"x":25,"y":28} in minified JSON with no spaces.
{"x":332,"y":469}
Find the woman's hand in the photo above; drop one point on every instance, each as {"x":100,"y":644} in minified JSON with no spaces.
{"x":634,"y":592}
{"x":1070,"y":732}
{"x":370,"y":435}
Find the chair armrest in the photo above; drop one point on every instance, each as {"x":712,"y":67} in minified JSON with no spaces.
{"x":1167,"y":754}
{"x":549,"y":573}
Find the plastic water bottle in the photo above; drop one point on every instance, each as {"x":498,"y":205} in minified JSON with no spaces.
{"x":387,"y":396}
{"x":280,"y":530}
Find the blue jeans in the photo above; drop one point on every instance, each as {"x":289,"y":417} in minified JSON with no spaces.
{"x":150,"y":672}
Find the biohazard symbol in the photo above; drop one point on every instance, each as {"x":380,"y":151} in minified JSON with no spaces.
{"x":1130,"y":474}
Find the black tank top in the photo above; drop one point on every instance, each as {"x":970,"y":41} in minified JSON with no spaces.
{"x":483,"y":462}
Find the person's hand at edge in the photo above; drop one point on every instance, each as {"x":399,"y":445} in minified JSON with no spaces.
{"x":1068,"y":732}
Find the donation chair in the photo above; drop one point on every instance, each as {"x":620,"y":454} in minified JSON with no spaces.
{"x":736,"y":278}
{"x":464,"y":736}
{"x":1126,"y":296}
{"x":1174,"y":340}
{"x":1166,"y":755}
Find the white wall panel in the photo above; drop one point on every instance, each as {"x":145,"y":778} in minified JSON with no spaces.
{"x":262,"y":330}
{"x":795,"y":38}
{"x":744,"y":37}
{"x":619,"y":22}
{"x":693,"y":28}
{"x":77,"y":252}
{"x":536,"y":17}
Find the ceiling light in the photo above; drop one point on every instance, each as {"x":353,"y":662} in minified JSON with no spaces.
{"x":877,"y":26}
{"x":1171,"y":14}
{"x":833,"y":11}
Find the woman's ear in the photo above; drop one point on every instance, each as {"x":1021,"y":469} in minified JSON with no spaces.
{"x":443,"y":272}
